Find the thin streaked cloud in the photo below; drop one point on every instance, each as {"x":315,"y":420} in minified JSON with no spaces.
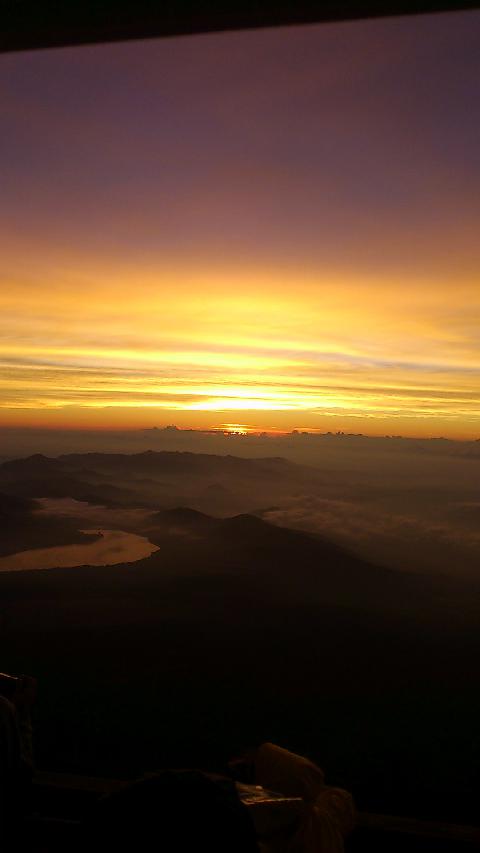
{"x":245,"y":222}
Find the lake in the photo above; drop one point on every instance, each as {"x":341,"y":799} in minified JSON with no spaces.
{"x":114,"y":546}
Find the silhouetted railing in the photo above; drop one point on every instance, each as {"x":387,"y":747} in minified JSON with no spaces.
{"x":62,"y":799}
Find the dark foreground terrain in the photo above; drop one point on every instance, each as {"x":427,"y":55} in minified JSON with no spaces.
{"x":236,"y":630}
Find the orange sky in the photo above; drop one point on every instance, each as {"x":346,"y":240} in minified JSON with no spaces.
{"x":270,"y":290}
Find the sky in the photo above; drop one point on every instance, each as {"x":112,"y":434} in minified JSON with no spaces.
{"x":272,"y":229}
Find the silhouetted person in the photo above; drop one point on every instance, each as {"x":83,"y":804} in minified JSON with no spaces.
{"x":16,"y":761}
{"x":9,"y":767}
{"x":182,"y":810}
{"x":327,"y":814}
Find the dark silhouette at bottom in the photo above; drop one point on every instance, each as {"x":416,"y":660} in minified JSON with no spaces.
{"x":183,"y":810}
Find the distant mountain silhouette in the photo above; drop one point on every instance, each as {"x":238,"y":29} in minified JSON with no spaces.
{"x":177,"y":462}
{"x":41,"y":476}
{"x":148,"y":463}
{"x":13,"y":507}
{"x":205,"y":562}
{"x":217,"y":484}
{"x":184,"y":519}
{"x":247,"y":525}
{"x":273,"y":562}
{"x":277,"y":562}
{"x":56,"y":485}
{"x":30,"y":466}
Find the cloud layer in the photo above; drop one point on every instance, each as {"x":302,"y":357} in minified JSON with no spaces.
{"x":281,"y":225}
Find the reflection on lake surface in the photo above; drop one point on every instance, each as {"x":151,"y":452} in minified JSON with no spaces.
{"x":114,"y":546}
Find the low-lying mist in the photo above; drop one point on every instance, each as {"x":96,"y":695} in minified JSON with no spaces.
{"x":411,"y":504}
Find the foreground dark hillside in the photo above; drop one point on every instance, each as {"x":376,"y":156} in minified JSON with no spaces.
{"x":237,"y":630}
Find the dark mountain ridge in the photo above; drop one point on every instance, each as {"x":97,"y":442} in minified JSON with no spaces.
{"x":13,"y":506}
{"x":202,"y":560}
{"x":217,"y":484}
{"x":158,"y":461}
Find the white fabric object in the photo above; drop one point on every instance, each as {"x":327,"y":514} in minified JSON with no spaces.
{"x":329,"y":813}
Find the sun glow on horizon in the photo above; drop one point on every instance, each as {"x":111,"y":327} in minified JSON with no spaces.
{"x":287,"y":243}
{"x":329,"y":371}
